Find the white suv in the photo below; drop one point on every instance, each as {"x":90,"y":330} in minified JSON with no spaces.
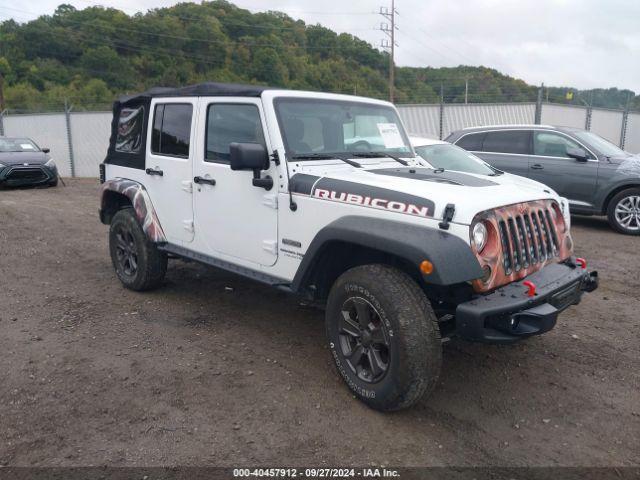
{"x":322,"y":195}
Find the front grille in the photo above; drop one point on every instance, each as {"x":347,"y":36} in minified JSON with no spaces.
{"x":33,"y":174}
{"x":527,"y":239}
{"x":523,"y":238}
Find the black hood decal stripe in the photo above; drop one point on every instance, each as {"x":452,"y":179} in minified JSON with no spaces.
{"x":428,"y":175}
{"x":302,"y":183}
{"x":361,"y":194}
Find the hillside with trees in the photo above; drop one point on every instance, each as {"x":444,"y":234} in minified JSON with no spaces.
{"x":89,"y":57}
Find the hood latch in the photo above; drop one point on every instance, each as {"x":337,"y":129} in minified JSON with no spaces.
{"x":447,"y":216}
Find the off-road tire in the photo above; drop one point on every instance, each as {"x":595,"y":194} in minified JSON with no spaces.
{"x":415,"y":348}
{"x":611,"y":211}
{"x":151,"y":262}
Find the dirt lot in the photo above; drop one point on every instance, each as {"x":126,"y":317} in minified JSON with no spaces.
{"x":197,"y":373}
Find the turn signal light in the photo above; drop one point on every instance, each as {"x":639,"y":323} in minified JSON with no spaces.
{"x":426,"y":267}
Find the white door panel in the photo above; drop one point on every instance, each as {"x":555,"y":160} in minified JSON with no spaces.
{"x":170,"y":192}
{"x":232,"y":217}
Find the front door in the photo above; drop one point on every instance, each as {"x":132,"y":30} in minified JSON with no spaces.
{"x":170,"y":151}
{"x":233,"y":219}
{"x":551,"y":165}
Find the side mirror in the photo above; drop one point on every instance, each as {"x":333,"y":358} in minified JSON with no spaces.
{"x":577,"y":153}
{"x":45,"y":150}
{"x":248,"y":156}
{"x":251,"y":156}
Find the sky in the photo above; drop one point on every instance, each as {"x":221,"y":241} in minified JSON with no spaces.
{"x":577,"y":43}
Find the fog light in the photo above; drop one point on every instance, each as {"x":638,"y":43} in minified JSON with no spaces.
{"x":486,"y":274}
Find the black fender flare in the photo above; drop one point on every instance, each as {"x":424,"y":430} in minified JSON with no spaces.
{"x":452,"y":258}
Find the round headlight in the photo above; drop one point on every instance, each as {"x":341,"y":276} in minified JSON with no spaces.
{"x":479,"y":234}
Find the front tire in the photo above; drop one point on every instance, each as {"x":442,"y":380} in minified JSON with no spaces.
{"x":138,"y":263}
{"x":623,"y":212}
{"x":383,"y":336}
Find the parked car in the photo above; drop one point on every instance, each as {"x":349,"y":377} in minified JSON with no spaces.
{"x":444,"y":155}
{"x":22,"y":163}
{"x":596,"y":176}
{"x":262,"y":182}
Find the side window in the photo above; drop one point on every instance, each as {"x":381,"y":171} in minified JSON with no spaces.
{"x":507,"y":141}
{"x":130,"y":130}
{"x":471,"y":142}
{"x":229,"y":123}
{"x":551,"y":144}
{"x":171,"y":129}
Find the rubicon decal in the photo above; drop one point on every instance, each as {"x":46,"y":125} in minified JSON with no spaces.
{"x":364,"y":195}
{"x":381,"y":203}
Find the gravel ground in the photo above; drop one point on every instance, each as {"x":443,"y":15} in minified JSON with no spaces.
{"x":213,"y":369}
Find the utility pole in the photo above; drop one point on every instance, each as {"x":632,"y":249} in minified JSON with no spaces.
{"x":1,"y":92}
{"x":466,"y":90}
{"x":390,"y":45}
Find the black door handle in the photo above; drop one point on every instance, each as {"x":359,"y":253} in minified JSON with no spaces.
{"x":537,"y":166}
{"x":152,"y":171}
{"x":208,"y":181}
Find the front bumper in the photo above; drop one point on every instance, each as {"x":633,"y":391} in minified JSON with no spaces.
{"x":21,"y":175}
{"x":508,"y":314}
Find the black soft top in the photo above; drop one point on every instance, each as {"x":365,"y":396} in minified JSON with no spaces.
{"x":212,"y":89}
{"x":137,"y":113}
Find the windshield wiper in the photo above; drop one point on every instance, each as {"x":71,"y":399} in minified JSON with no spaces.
{"x":382,"y":154}
{"x":325,"y":156}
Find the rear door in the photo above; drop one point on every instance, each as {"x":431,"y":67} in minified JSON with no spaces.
{"x":508,"y":150}
{"x":551,"y":165}
{"x":168,"y":165}
{"x":233,"y":218}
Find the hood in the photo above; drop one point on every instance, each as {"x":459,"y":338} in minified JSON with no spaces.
{"x":20,"y":158}
{"x":422,"y":189}
{"x":522,"y":182}
{"x":620,"y":159}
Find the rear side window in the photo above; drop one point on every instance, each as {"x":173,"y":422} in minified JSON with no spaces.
{"x":508,"y":141}
{"x":130,"y":129}
{"x":471,"y":142}
{"x":171,"y":129}
{"x":229,"y":123}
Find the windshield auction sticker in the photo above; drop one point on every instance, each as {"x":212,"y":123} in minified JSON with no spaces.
{"x":390,"y":135}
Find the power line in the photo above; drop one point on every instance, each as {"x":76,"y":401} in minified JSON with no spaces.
{"x":164,"y":12}
{"x":390,"y":31}
{"x":186,"y":38}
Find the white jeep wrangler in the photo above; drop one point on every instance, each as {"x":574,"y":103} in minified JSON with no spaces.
{"x":322,"y":195}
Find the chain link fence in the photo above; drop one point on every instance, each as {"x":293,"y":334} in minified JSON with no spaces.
{"x":79,"y":140}
{"x":438,"y":120}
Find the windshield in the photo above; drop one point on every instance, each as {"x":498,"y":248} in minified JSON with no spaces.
{"x":323,"y":127}
{"x":605,"y":147}
{"x":17,"y":145}
{"x":451,"y":157}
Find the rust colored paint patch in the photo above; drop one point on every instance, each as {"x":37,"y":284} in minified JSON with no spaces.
{"x":141,"y":204}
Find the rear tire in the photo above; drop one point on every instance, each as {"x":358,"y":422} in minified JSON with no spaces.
{"x":623,"y":212}
{"x":383,"y":336}
{"x":138,"y":263}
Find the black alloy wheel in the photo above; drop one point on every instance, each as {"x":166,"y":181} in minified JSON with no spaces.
{"x":364,"y":341}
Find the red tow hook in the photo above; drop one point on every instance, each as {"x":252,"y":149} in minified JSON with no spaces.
{"x":531,"y":292}
{"x":582,"y":262}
